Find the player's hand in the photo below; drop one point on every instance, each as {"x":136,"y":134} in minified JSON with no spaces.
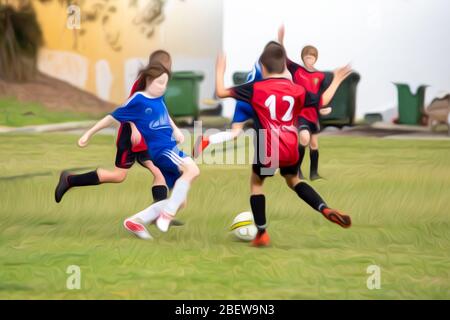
{"x":343,"y":72}
{"x":84,"y":140}
{"x":325,"y":111}
{"x":221,"y":63}
{"x":281,"y":31}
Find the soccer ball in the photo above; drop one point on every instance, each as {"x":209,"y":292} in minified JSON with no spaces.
{"x":244,"y":226}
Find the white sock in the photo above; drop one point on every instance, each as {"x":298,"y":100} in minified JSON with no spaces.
{"x":151,"y":213}
{"x":221,"y":137}
{"x":178,"y":197}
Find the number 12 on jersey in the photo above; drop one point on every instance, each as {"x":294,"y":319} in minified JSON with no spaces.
{"x":271,"y":103}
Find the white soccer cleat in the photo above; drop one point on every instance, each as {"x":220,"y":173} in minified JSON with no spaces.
{"x":163,"y":221}
{"x":136,"y":227}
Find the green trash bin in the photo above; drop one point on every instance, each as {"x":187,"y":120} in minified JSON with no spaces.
{"x":240,"y":77}
{"x":410,"y":106}
{"x":182,"y":95}
{"x":343,"y":103}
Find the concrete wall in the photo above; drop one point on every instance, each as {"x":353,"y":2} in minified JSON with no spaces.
{"x":191,"y":31}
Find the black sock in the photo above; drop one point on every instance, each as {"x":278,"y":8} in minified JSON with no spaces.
{"x":310,"y":196}
{"x":159,"y":193}
{"x":314,"y":155}
{"x":258,"y":204}
{"x":84,"y":179}
{"x":301,"y":152}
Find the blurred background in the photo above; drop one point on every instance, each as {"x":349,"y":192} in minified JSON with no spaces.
{"x":99,"y":47}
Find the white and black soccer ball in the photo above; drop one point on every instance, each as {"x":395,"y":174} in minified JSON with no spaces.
{"x":244,"y":227}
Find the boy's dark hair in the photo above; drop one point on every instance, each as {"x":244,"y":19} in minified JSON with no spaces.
{"x":273,"y":57}
{"x":310,"y":50}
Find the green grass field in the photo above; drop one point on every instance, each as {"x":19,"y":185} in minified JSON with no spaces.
{"x":14,"y":113}
{"x":397,"y":192}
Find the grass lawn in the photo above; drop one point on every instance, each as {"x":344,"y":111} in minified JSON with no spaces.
{"x":14,"y":113}
{"x":397,"y":192}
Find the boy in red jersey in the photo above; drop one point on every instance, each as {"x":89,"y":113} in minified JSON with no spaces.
{"x":277,"y":102}
{"x":315,"y":82}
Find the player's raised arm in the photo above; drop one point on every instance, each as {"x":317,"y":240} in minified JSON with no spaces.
{"x":291,"y":66}
{"x":281,"y":31}
{"x":243,"y":92}
{"x":221,"y":91}
{"x":102,"y":124}
{"x":339,"y":75}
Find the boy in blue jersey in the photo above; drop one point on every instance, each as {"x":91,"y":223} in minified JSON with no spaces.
{"x":242,"y":113}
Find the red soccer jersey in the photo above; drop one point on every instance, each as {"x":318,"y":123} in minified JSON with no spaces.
{"x":314,"y":82}
{"x":141,"y":146}
{"x":135,"y":86}
{"x":277,"y":103}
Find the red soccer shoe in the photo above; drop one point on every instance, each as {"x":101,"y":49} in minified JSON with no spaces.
{"x":200,"y":145}
{"x":262,"y":239}
{"x":336,"y":217}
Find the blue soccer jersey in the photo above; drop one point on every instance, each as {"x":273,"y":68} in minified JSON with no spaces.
{"x":243,"y":110}
{"x":151,"y":118}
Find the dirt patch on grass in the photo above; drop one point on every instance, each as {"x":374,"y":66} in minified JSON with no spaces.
{"x":56,"y":95}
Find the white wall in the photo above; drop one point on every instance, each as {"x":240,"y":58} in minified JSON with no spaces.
{"x":192,"y":33}
{"x":385,"y":40}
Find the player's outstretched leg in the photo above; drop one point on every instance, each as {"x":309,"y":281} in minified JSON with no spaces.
{"x":311,"y":197}
{"x":258,"y":205}
{"x":200,"y":145}
{"x":92,"y":178}
{"x":67,"y":181}
{"x":190,"y":172}
{"x":203,"y":142}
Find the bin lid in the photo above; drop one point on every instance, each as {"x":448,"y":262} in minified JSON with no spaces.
{"x":198,"y":75}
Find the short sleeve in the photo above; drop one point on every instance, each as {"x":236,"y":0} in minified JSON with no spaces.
{"x":326,"y":82}
{"x":129,"y":111}
{"x":292,"y":67}
{"x":311,"y":99}
{"x":243,"y":92}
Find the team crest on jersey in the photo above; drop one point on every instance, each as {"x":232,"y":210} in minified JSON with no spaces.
{"x":316,"y":81}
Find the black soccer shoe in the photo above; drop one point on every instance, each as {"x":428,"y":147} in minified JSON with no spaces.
{"x":62,"y":187}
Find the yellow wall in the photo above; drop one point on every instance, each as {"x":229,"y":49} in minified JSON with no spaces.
{"x":191,"y":29}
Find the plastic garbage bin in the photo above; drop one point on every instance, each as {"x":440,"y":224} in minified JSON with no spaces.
{"x":240,"y":77}
{"x":410,"y":106}
{"x":182,"y":95}
{"x":343,"y":103}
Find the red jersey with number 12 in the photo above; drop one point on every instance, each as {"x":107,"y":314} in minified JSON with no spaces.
{"x":277,"y":103}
